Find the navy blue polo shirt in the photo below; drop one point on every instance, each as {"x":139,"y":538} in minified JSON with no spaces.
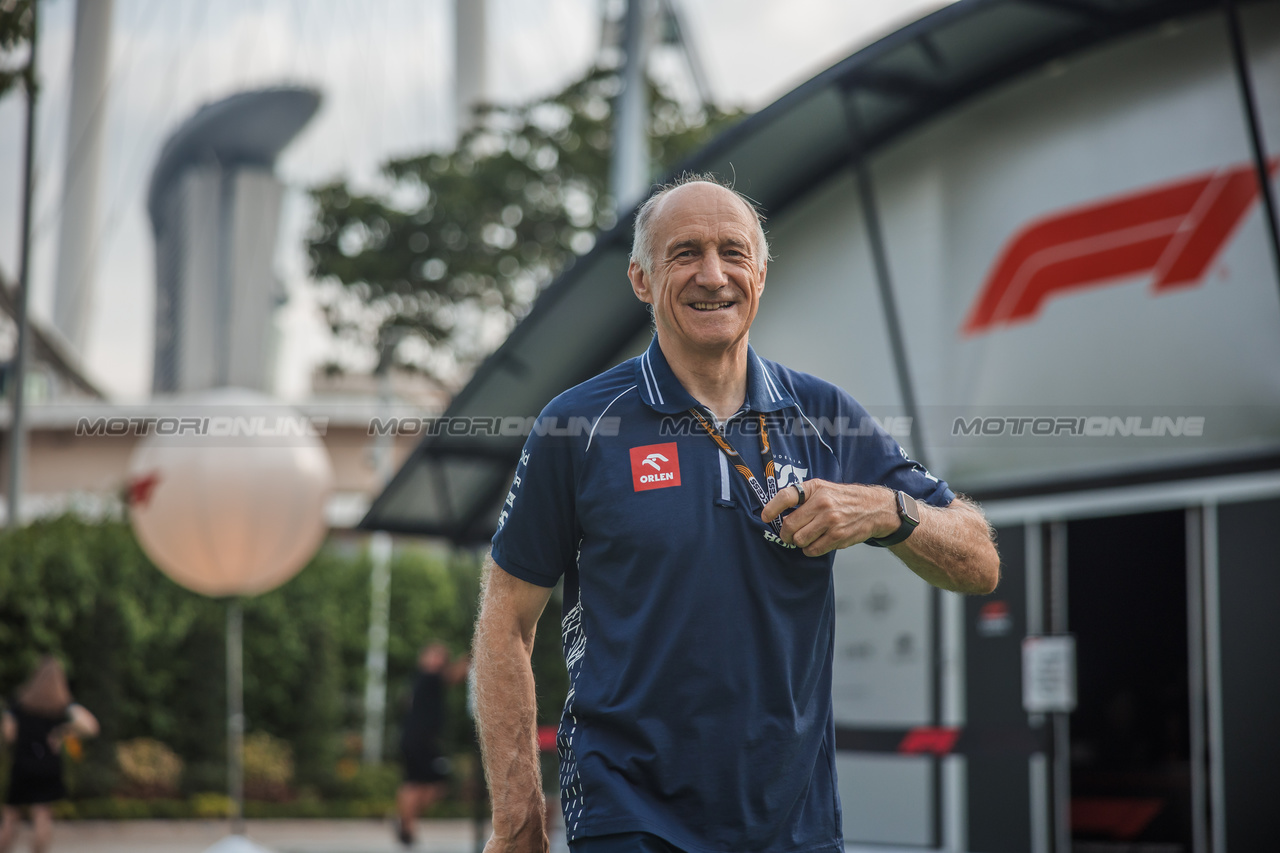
{"x":698,"y":645}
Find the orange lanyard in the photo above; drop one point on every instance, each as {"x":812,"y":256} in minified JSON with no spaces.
{"x":765,"y":451}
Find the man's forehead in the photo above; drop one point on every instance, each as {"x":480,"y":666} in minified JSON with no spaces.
{"x":697,"y":205}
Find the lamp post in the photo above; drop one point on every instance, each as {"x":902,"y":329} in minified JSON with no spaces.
{"x":231,"y":503}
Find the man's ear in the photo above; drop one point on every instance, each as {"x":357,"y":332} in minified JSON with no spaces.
{"x":639,"y":282}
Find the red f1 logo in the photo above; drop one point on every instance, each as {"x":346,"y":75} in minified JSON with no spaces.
{"x":1174,"y":230}
{"x":939,"y":740}
{"x":655,"y":466}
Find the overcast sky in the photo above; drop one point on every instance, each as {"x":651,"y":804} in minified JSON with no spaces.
{"x":385,"y":71}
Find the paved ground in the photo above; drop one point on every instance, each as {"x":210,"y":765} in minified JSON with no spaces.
{"x":275,"y":836}
{"x":279,"y":836}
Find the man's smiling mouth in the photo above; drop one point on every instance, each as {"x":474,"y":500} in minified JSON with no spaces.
{"x":709,"y":306}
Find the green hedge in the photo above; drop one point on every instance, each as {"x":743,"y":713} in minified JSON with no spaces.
{"x":148,"y":657}
{"x":217,"y":806}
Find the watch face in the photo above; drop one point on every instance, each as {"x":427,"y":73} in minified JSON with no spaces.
{"x":907,"y":508}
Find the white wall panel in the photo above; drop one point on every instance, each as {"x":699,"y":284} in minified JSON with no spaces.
{"x":886,"y":799}
{"x":882,"y":673}
{"x":1132,"y":117}
{"x":821,"y":310}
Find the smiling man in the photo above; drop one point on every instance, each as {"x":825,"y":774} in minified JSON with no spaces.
{"x":696,"y":543}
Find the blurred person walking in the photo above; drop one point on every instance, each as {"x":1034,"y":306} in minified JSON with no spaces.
{"x":426,"y":767}
{"x":40,"y":717}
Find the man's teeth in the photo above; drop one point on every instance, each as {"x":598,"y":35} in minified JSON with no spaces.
{"x":710,"y":306}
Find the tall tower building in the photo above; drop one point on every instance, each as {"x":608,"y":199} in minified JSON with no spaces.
{"x":78,"y":242}
{"x":214,"y":202}
{"x":470,"y":60}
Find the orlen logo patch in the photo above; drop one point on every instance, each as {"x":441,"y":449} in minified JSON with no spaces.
{"x":655,"y":466}
{"x":1173,"y":231}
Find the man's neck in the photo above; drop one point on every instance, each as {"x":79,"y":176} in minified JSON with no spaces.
{"x":716,"y":380}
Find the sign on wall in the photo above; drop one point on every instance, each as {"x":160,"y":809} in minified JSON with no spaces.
{"x":1049,"y":674}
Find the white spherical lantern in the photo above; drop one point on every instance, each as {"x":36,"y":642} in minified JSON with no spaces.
{"x":227,"y":492}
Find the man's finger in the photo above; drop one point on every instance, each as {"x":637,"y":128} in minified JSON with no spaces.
{"x":784,"y":500}
{"x":823,"y":544}
{"x":807,"y":530}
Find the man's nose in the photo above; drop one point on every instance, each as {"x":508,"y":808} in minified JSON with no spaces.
{"x":711,"y":271}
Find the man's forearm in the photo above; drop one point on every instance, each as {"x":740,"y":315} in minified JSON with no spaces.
{"x":952,"y":549}
{"x":506,"y":719}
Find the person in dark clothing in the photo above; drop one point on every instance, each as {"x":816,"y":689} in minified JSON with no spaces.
{"x":40,"y":717}
{"x":426,"y":767}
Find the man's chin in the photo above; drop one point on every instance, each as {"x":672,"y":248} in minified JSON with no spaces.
{"x":711,"y":342}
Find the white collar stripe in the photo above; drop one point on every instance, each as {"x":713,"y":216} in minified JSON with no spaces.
{"x":764,"y":379}
{"x":644,"y":371}
{"x":657,"y":392}
{"x":769,"y":383}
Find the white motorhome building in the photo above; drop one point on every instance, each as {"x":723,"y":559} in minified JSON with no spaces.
{"x":1030,"y":235}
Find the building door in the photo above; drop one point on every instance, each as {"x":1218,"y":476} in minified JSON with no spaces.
{"x":1001,"y":745}
{"x":1243,"y":552}
{"x":1130,"y":734}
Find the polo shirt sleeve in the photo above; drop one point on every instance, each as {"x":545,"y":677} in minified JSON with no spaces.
{"x":870,"y":455}
{"x":536,"y":538}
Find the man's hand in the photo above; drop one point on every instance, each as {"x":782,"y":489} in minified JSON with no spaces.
{"x":952,"y":548}
{"x":834,"y":515}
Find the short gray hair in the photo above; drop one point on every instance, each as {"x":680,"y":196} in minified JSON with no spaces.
{"x":642,"y":243}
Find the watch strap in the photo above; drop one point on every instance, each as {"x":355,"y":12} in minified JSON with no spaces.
{"x":906,"y":523}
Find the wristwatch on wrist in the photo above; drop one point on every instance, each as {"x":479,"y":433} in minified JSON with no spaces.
{"x":908,"y":518}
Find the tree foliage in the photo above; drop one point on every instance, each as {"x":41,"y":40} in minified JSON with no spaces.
{"x":15,"y":31}
{"x":149,"y":657}
{"x":462,"y":242}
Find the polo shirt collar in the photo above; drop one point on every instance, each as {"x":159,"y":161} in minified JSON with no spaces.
{"x":662,"y":392}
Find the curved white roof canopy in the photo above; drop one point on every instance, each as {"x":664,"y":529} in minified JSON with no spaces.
{"x":453,"y":485}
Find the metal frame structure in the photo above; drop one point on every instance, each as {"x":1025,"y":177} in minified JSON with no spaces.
{"x":452,"y":485}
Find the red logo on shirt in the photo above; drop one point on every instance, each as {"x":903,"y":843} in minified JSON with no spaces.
{"x":655,"y":466}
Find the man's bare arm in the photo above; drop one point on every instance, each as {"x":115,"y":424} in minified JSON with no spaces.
{"x":507,"y":709}
{"x":952,"y":548}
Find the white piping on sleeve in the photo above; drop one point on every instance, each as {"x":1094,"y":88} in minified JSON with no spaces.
{"x":602,"y":414}
{"x":816,"y":431}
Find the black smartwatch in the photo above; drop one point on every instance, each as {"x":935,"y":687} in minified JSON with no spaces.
{"x":908,"y":518}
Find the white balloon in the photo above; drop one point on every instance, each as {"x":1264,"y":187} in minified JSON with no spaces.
{"x":230,"y":500}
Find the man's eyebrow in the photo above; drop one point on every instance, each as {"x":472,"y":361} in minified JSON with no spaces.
{"x":693,"y":243}
{"x":689,"y":243}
